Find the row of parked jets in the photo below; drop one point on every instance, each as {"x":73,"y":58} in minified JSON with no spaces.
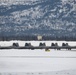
{"x":41,"y":46}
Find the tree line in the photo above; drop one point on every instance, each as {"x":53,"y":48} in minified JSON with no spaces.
{"x":34,"y":37}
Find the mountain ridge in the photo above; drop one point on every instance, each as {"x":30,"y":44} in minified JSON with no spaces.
{"x":57,"y":17}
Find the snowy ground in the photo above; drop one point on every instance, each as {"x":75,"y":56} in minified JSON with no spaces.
{"x":37,"y":62}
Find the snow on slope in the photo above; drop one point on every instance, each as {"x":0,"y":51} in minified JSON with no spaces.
{"x":35,"y":17}
{"x":15,"y":2}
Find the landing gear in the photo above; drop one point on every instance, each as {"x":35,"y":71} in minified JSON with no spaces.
{"x":69,"y":48}
{"x":58,"y":49}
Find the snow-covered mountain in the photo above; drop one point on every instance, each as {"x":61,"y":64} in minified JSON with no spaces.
{"x":38,"y":17}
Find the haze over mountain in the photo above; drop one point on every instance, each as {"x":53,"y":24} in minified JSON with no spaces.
{"x":38,"y":17}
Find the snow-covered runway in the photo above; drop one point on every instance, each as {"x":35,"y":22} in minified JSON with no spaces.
{"x":37,"y":62}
